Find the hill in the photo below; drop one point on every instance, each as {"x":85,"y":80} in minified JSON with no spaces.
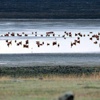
{"x":49,"y":9}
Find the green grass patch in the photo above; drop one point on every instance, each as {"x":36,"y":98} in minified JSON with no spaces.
{"x":49,"y":88}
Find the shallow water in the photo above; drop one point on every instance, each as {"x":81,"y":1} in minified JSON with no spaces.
{"x":20,"y":60}
{"x":41,"y":26}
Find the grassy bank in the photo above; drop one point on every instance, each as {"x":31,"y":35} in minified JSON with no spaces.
{"x":48,"y":83}
{"x":49,"y":88}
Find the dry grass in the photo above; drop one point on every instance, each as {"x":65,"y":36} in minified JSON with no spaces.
{"x":50,"y":87}
{"x":95,"y":76}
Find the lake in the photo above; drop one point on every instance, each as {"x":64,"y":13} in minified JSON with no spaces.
{"x":84,"y":54}
{"x":22,"y":60}
{"x":58,"y":27}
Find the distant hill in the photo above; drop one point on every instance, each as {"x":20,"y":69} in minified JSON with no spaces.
{"x":49,"y":8}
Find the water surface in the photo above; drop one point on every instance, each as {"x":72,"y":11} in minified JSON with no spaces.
{"x":19,"y":60}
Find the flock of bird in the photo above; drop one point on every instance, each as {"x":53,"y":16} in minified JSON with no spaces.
{"x":77,"y":38}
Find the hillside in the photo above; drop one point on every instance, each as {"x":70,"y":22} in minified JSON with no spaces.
{"x":49,"y":9}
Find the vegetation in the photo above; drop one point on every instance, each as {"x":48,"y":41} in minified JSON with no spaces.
{"x":50,"y":87}
{"x":49,"y":82}
{"x":47,"y":70}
